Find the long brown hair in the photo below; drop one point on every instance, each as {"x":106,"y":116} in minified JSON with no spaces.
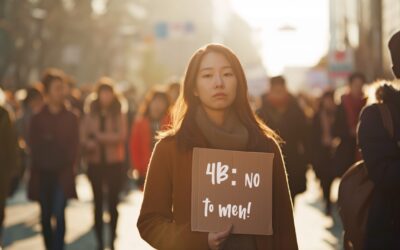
{"x":106,"y":84}
{"x":183,"y":114}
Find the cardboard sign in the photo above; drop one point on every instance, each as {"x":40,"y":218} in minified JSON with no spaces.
{"x":232,"y":187}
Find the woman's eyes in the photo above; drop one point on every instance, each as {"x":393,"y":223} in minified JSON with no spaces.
{"x":207,"y":76}
{"x":226,"y":74}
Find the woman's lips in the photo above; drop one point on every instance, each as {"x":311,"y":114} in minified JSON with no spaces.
{"x":219,"y":95}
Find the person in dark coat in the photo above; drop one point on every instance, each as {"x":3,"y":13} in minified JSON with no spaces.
{"x":322,"y":144}
{"x":381,"y":153}
{"x":346,"y":124}
{"x":8,"y":160}
{"x":282,"y":113}
{"x":54,"y":140}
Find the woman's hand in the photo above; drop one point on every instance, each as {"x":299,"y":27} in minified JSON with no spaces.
{"x":216,"y":240}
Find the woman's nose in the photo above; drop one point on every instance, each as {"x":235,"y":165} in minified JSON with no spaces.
{"x":219,"y":82}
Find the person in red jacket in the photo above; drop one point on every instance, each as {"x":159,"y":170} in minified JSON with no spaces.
{"x":152,"y":117}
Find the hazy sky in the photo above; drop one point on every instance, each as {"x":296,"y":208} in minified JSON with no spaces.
{"x":302,"y":46}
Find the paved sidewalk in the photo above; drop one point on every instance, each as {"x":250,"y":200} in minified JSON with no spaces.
{"x":315,"y":231}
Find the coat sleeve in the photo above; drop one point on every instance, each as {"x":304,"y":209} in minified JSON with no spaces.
{"x":156,"y":223}
{"x":34,"y":141}
{"x":340,"y":128}
{"x":9,"y":135}
{"x":73,"y":147}
{"x":136,"y":146}
{"x":284,"y":236}
{"x":380,"y":152}
{"x":83,"y":131}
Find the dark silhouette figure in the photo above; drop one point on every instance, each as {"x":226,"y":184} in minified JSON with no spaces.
{"x":346,"y":124}
{"x":281,"y":112}
{"x":322,"y":144}
{"x":381,"y":155}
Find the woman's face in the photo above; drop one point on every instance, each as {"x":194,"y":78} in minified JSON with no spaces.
{"x":216,"y":82}
{"x":106,"y":97}
{"x":157,"y":108}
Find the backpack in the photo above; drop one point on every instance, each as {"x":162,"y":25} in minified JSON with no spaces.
{"x":355,"y":194}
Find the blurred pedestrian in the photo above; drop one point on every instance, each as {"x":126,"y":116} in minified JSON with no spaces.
{"x":281,"y":112}
{"x":103,"y":136}
{"x":213,"y":112}
{"x":31,"y":105}
{"x":346,"y":121}
{"x":174,"y":89}
{"x":153,"y":116}
{"x":130,"y":95}
{"x":381,"y":153}
{"x":54,"y":141}
{"x":322,"y":145}
{"x":8,"y":159}
{"x":11,"y":104}
{"x":73,"y":96}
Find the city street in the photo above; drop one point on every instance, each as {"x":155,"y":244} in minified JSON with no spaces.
{"x":22,"y":227}
{"x":110,"y":88}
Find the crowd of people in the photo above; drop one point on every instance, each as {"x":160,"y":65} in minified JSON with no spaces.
{"x":53,"y":130}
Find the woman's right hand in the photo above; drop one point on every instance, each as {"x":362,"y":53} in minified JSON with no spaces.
{"x":216,"y":240}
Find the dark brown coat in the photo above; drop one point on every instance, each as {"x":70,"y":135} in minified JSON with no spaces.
{"x":164,"y":220}
{"x":8,"y":153}
{"x":63,"y":130}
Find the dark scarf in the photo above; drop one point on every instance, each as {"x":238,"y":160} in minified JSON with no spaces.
{"x":232,"y":135}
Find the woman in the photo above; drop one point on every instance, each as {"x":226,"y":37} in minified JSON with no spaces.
{"x":152,"y":117}
{"x":104,"y":130}
{"x":212,"y":112}
{"x":381,"y":153}
{"x":322,"y":143}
